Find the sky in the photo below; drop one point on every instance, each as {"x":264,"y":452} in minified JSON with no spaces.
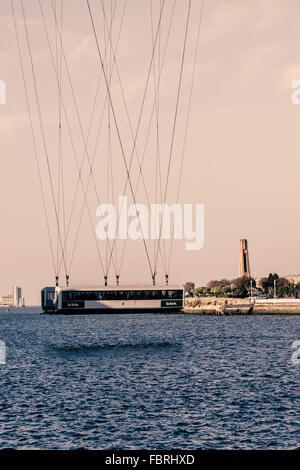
{"x":242,"y":152}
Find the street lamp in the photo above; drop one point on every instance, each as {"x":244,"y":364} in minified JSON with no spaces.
{"x":274,"y":288}
{"x":251,"y":291}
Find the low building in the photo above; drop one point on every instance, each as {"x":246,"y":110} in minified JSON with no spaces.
{"x":12,"y":300}
{"x":7,"y":301}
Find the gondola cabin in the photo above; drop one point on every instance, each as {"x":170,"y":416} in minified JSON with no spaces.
{"x":100,"y":300}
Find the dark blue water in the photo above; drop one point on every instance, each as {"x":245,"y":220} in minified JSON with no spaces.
{"x":149,"y":382}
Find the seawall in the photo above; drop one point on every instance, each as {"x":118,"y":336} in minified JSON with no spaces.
{"x":228,"y":306}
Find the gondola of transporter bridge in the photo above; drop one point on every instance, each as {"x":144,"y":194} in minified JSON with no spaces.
{"x":67,"y":299}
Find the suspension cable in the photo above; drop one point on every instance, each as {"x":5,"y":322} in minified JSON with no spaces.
{"x":140,"y":175}
{"x":157,"y":113}
{"x":134,"y":150}
{"x":118,"y":130}
{"x":188,"y":116}
{"x":60,"y":179}
{"x":70,"y":133}
{"x":101,"y":120}
{"x":96,"y":146}
{"x":41,"y":125}
{"x":175,"y":120}
{"x":81,"y":130}
{"x":128,"y":179}
{"x":33,"y":136}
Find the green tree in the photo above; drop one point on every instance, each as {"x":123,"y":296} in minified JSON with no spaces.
{"x":222,"y":283}
{"x":242,"y":286}
{"x":226,"y":291}
{"x":202,"y":291}
{"x":189,"y":288}
{"x":267,"y":283}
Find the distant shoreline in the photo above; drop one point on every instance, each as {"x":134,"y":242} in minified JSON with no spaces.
{"x":215,"y":306}
{"x":29,"y":309}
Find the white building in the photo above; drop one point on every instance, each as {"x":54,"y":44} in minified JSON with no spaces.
{"x":17,"y":294}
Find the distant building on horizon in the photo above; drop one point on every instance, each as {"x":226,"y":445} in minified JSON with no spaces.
{"x":12,"y":300}
{"x":17,"y":294}
{"x":6,"y":300}
{"x":244,"y":265}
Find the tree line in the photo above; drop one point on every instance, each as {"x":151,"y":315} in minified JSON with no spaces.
{"x":241,"y":287}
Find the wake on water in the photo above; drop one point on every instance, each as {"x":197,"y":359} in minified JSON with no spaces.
{"x":65,"y":347}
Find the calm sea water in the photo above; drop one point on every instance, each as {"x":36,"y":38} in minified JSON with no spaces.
{"x":149,"y":382}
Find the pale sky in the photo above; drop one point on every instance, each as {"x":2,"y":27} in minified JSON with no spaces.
{"x":242,"y":155}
